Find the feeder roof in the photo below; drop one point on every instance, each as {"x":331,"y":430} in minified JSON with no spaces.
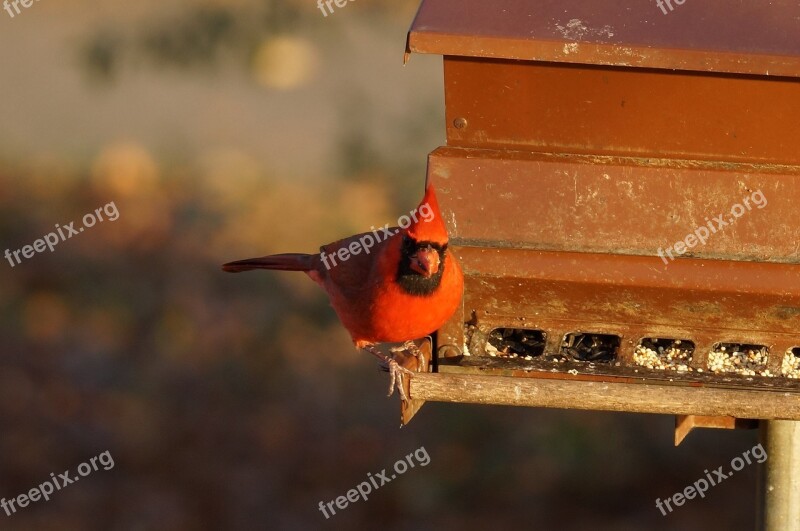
{"x":759,"y":37}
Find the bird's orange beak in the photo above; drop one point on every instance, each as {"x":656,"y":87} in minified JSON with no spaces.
{"x":425,"y":262}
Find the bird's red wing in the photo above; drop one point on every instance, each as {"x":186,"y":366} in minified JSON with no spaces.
{"x":352,"y":275}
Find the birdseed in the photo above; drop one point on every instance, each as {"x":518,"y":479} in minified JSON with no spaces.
{"x":790,"y":366}
{"x":664,"y":355}
{"x":747,"y":360}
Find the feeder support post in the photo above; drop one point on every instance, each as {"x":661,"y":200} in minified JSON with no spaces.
{"x":779,"y":477}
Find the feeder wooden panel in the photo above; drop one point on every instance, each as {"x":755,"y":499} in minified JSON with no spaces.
{"x":585,"y":139}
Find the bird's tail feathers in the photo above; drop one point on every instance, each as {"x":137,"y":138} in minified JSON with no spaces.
{"x":281,"y":262}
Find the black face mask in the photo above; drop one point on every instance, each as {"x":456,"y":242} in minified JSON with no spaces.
{"x":411,"y":281}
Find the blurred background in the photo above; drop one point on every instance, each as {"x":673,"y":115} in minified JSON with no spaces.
{"x":224,"y":130}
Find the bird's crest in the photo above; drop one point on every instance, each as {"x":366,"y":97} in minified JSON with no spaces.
{"x":429,"y":226}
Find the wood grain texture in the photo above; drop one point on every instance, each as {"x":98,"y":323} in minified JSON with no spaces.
{"x":604,"y":396}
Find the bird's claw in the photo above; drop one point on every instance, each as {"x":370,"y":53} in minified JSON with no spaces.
{"x":396,"y":372}
{"x":413,"y":349}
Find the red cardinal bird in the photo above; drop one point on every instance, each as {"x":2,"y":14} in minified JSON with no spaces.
{"x":390,"y":285}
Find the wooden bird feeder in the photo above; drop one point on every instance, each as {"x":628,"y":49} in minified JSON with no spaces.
{"x":585,"y":140}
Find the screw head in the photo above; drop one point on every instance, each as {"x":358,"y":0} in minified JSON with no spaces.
{"x":449,"y":351}
{"x":460,"y":122}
